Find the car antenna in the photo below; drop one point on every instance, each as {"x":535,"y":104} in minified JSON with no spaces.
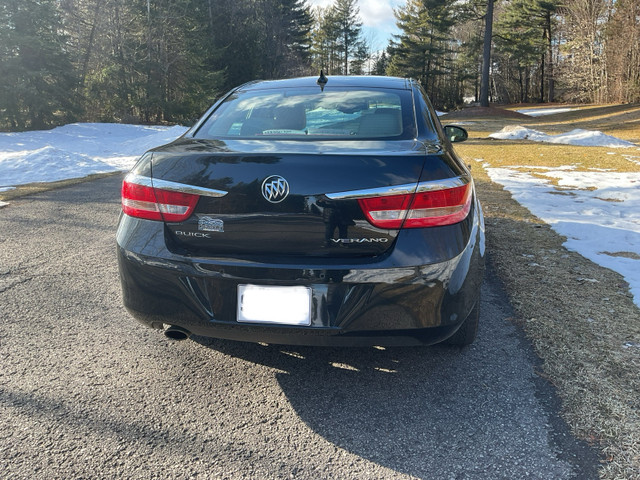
{"x":322,"y":80}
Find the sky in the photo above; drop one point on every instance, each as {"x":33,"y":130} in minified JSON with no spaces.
{"x":378,"y":22}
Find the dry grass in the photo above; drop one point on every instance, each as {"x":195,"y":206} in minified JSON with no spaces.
{"x":579,"y":316}
{"x":622,"y":121}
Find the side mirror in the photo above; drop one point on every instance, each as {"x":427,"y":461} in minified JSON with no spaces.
{"x":455,"y":134}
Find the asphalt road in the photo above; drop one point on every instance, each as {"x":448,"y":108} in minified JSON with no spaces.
{"x":86,"y":392}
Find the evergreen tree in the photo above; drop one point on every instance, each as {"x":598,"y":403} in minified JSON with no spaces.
{"x":380,"y":64}
{"x":348,"y":27}
{"x":421,"y":50}
{"x":468,"y":59}
{"x":167,"y":60}
{"x":324,"y":47}
{"x":338,"y":46}
{"x":38,"y":82}
{"x":284,"y":37}
{"x":524,"y":41}
{"x":360,"y":59}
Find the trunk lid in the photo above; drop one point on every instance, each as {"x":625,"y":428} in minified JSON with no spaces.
{"x":276,"y":201}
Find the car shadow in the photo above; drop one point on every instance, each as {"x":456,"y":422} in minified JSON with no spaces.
{"x":430,"y":412}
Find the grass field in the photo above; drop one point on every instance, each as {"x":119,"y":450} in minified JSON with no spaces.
{"x":579,"y":316}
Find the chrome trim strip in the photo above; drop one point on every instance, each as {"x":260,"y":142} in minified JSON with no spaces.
{"x":138,"y":179}
{"x":184,"y":188}
{"x":373,"y":192}
{"x":401,"y":189}
{"x":443,"y":184}
{"x":174,"y":186}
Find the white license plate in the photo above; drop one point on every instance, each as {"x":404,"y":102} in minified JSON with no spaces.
{"x":281,"y":305}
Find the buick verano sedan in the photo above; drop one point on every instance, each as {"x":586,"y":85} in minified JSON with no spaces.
{"x":309,"y":211}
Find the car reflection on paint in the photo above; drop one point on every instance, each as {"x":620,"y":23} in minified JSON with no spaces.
{"x":296,"y":214}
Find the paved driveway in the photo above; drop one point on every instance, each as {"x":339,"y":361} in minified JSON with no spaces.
{"x":85,"y":392}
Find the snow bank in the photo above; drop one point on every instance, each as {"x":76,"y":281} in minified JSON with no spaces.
{"x":48,"y":162}
{"x":586,"y":138}
{"x":76,"y":150}
{"x":597,"y":212}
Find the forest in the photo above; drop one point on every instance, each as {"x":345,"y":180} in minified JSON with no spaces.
{"x":166,"y":61}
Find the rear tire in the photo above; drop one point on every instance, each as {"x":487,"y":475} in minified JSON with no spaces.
{"x":468,"y":331}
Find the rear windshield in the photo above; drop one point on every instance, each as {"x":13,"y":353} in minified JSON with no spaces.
{"x":310,"y":113}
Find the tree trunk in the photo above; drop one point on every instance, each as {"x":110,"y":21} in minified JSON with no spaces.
{"x":346,"y":55}
{"x":551,"y":83}
{"x":521,"y":85}
{"x":92,"y":36}
{"x":486,"y":55}
{"x":542,"y":77}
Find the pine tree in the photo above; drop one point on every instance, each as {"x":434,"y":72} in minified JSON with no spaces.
{"x":337,"y":44}
{"x":284,"y":38}
{"x":38,"y":82}
{"x":524,"y":39}
{"x":380,"y":64}
{"x":324,"y":47}
{"x":421,"y":51}
{"x":348,"y":27}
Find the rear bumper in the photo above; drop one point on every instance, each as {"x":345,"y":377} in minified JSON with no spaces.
{"x":393,"y":301}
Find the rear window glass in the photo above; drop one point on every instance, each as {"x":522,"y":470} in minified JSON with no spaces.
{"x":311,"y":113}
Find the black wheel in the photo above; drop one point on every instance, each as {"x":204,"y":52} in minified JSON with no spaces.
{"x":467,"y":332}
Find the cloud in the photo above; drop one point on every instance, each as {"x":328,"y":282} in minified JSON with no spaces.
{"x":374,"y":13}
{"x":377,"y":17}
{"x":378,"y":13}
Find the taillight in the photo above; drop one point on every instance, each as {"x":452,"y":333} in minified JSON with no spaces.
{"x":140,"y":199}
{"x":429,"y":208}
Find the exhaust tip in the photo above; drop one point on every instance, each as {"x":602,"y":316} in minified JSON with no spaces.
{"x":177,"y":333}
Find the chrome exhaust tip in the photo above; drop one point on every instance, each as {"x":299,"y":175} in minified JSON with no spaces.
{"x":176,"y":333}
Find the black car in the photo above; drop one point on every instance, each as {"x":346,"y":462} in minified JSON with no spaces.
{"x":307,"y":211}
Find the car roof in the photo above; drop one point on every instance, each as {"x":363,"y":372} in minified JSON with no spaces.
{"x":368,"y":81}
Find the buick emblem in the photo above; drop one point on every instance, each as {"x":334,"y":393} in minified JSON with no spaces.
{"x":275,"y":189}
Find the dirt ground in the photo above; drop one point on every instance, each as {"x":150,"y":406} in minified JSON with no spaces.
{"x":579,"y":316}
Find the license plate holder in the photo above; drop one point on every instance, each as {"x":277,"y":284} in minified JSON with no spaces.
{"x":274,"y":305}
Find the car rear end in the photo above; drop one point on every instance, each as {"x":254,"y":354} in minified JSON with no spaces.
{"x":291,"y":214}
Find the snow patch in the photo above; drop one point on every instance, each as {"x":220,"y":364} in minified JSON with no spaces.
{"x":47,"y":164}
{"x":586,"y":138}
{"x":539,"y":112}
{"x":76,"y":150}
{"x":596,"y":211}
